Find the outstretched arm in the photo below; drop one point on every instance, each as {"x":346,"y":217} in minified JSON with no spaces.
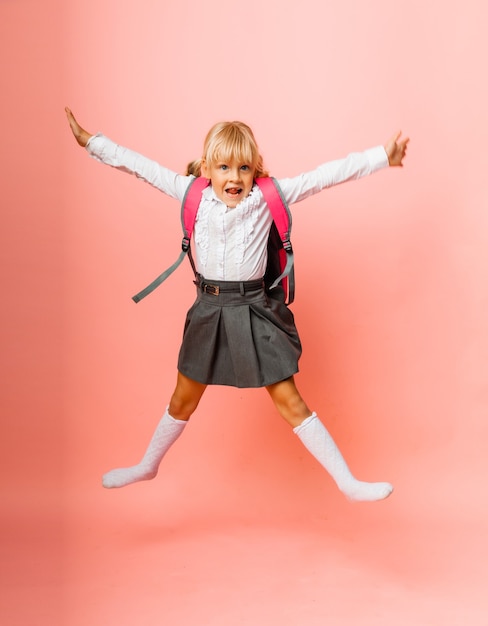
{"x":104,"y":150}
{"x":396,"y":149}
{"x":354,"y":166}
{"x":80,"y":134}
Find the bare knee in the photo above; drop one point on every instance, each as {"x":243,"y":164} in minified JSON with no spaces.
{"x":295,"y":411}
{"x":181,"y":407}
{"x":290,"y":404}
{"x":185,"y":398}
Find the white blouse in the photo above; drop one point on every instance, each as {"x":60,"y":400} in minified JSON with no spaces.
{"x":230,"y":243}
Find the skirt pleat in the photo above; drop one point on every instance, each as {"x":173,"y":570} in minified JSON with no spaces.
{"x":241,"y":340}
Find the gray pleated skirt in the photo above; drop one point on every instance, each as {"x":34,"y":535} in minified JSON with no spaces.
{"x":240,"y":337}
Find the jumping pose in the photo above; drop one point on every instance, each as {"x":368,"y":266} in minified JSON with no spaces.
{"x":237,"y":332}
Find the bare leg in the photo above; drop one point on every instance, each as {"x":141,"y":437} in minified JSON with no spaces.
{"x":185,"y":398}
{"x":290,"y":404}
{"x":320,"y":444}
{"x":183,"y":402}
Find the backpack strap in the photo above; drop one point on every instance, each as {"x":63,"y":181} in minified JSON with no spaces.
{"x":189,"y":207}
{"x":282,"y":218}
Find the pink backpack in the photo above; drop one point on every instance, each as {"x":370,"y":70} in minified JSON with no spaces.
{"x":279,"y":278}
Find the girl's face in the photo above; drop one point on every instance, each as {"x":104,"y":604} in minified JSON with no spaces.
{"x":232,"y":181}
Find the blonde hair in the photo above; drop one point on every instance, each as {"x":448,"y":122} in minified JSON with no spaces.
{"x":227,"y":141}
{"x":194,"y":168}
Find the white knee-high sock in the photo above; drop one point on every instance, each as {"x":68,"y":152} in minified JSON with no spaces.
{"x":167,"y":432}
{"x":315,"y":437}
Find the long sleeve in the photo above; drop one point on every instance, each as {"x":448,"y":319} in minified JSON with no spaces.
{"x":104,"y":150}
{"x":355,"y":165}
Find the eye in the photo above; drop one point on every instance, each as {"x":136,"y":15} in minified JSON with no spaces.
{"x":224,"y":167}
{"x":245,"y":168}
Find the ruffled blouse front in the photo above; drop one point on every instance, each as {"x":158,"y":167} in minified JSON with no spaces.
{"x":231,"y":242}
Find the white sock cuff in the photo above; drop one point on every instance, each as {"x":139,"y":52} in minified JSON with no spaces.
{"x":172,"y":419}
{"x":298,"y":429}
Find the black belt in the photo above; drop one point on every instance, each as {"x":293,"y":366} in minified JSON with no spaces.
{"x":227,"y":286}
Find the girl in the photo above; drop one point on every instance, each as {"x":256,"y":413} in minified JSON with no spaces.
{"x":236,"y":333}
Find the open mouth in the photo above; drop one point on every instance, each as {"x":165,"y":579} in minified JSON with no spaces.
{"x":233,"y":191}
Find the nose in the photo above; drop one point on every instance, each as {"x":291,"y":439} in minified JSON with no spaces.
{"x":235,"y":174}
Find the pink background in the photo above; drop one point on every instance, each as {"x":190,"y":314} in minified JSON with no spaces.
{"x":242,"y":526}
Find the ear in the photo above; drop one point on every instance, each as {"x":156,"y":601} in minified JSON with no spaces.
{"x":204,"y":169}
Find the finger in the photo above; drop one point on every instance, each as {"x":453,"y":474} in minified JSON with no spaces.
{"x":71,"y":117}
{"x":396,"y":136}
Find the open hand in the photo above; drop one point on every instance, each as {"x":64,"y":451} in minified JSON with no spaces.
{"x":80,"y":134}
{"x":396,"y":149}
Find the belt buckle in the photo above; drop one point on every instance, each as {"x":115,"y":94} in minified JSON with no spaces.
{"x":213,"y":290}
